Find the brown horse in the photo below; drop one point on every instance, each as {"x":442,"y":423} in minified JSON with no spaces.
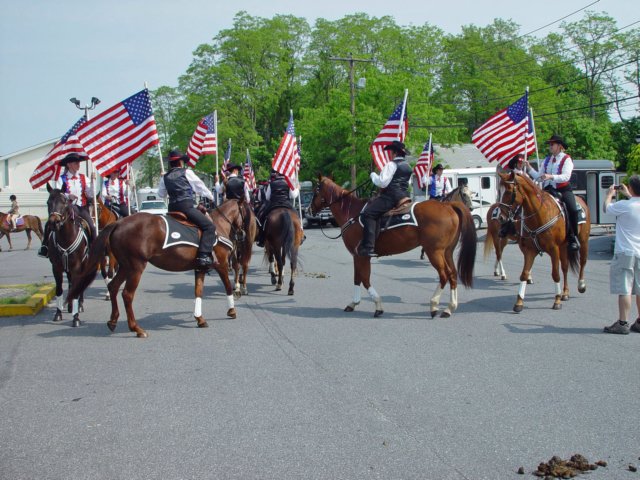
{"x":139,"y":239}
{"x":31,"y":222}
{"x":243,"y":248}
{"x":283,"y":236}
{"x":438,"y":228}
{"x":68,"y":245}
{"x":544,"y":230}
{"x":109,"y":265}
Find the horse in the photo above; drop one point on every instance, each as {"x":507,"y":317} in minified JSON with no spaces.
{"x":243,"y":248}
{"x":543,"y":230}
{"x":68,"y":245}
{"x":459,"y":194}
{"x":139,"y":239}
{"x":106,"y":216}
{"x":29,"y":223}
{"x":283,"y":237}
{"x":438,"y":228}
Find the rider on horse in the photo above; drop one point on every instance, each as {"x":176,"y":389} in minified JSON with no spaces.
{"x":394,"y":183}
{"x":438,"y":185}
{"x":180,"y":183}
{"x":114,"y":194}
{"x":277,"y":194}
{"x":75,"y":186}
{"x":555,"y":173}
{"x":14,"y":211}
{"x":234,"y":187}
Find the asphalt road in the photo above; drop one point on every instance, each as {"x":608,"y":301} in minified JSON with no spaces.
{"x":295,"y":388}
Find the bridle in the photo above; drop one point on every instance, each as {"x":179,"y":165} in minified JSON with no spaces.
{"x":327,"y":204}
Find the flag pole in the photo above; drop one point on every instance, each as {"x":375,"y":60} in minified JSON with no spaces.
{"x":526,"y":131}
{"x":128,"y":188}
{"x":135,"y":191}
{"x":158,"y":144}
{"x":404,"y":106}
{"x":535,"y":139}
{"x":93,"y":183}
{"x":215,"y":127}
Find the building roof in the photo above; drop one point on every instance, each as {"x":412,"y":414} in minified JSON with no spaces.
{"x":28,"y":149}
{"x":460,"y":156}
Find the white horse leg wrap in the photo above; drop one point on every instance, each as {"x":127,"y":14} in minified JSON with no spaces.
{"x":74,"y":309}
{"x":230,"y":301}
{"x":271,"y":267}
{"x":435,"y":299}
{"x":373,"y":294}
{"x":558,"y":289}
{"x":59,"y":302}
{"x":496,"y":268}
{"x":197,"y":310}
{"x":502,"y":272}
{"x":356,"y":294}
{"x":453,"y":304}
{"x":523,"y":288}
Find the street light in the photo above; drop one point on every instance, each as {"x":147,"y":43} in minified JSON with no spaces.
{"x":94,"y":101}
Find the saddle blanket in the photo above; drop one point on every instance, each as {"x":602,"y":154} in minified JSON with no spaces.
{"x":180,"y":234}
{"x":7,"y":224}
{"x":399,"y":220}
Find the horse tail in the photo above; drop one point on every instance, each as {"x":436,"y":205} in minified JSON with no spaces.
{"x":488,"y":244}
{"x":468,"y":240}
{"x":574,"y":260}
{"x":96,"y":256}
{"x":289,"y":234}
{"x":40,"y":229}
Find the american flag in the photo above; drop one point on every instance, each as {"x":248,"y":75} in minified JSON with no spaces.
{"x":247,"y":173}
{"x":227,"y":159}
{"x":120,"y":134}
{"x":424,"y":163}
{"x":48,"y":168}
{"x":504,"y":134}
{"x":287,"y":159}
{"x":394,"y":129}
{"x":203,"y":141}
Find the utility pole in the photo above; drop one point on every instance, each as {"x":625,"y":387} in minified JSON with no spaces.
{"x":352,"y":62}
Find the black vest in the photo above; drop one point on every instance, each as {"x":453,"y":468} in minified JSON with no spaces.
{"x":177,"y":185}
{"x":279,"y":194}
{"x":399,"y":185}
{"x":235,"y":188}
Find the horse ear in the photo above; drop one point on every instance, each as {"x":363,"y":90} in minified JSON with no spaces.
{"x":504,"y":176}
{"x":319,"y":176}
{"x":49,"y":187}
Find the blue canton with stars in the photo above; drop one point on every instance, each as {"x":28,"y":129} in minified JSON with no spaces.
{"x":138,"y":107}
{"x":518,"y":111}
{"x":209,"y":123}
{"x":74,"y":129}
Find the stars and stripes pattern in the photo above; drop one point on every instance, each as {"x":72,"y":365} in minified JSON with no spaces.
{"x":49,"y":169}
{"x":287,"y":159}
{"x":249,"y":176}
{"x":203,"y":141}
{"x":120,"y":134}
{"x":506,"y":133}
{"x":394,"y":129}
{"x":424,"y":163}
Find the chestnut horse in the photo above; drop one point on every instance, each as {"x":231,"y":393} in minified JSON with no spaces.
{"x":283,"y":236}
{"x":243,"y":248}
{"x":106,"y":216}
{"x":440,"y":226}
{"x":139,"y":239}
{"x":31,"y":222}
{"x":68,"y":245}
{"x":544,"y":230}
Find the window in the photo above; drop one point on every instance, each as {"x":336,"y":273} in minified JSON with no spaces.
{"x":463,"y":181}
{"x":606,"y":181}
{"x":6,"y":173}
{"x":485,"y":183}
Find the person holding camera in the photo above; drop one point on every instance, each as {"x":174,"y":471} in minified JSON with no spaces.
{"x":624,"y":274}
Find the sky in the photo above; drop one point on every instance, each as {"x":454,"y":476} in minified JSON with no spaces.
{"x":51,"y":51}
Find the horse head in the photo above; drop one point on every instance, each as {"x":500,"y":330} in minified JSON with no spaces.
{"x":465,"y":196}
{"x":59,"y":208}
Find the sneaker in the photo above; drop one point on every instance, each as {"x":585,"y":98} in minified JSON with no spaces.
{"x":618,"y":328}
{"x":636,"y":326}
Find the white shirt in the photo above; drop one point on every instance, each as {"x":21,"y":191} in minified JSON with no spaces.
{"x":112,"y":190}
{"x":74,"y":187}
{"x":553,"y":168}
{"x":198,"y":185}
{"x":383,"y":179}
{"x":627,"y":214}
{"x":443,"y":185}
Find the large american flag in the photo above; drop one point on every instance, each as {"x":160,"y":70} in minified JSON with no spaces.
{"x":394,"y":129}
{"x":424,"y":163}
{"x":504,"y":135}
{"x":287,"y":159}
{"x":203,"y":141}
{"x":120,"y":134}
{"x":249,"y":176}
{"x":48,"y":168}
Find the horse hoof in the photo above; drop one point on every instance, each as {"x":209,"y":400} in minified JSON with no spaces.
{"x":557,"y":306}
{"x":582,"y":289}
{"x":76,"y":322}
{"x":290,"y":292}
{"x":142,"y":334}
{"x":231,"y":313}
{"x":278,"y":288}
{"x":503,"y":277}
{"x":496,"y":274}
{"x":202,"y":323}
{"x":434,"y":313}
{"x":564,"y":298}
{"x":378,"y":313}
{"x":348,"y":308}
{"x":529,"y":281}
{"x":107,"y":297}
{"x":112,"y":326}
{"x":58,"y":316}
{"x":273,"y":280}
{"x":236,"y":294}
{"x":445,"y":314}
{"x":518,"y":308}
{"x":244,"y":291}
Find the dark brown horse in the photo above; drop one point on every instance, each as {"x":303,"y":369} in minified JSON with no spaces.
{"x":544,"y":230}
{"x":68,"y":245}
{"x":440,"y":226}
{"x":283,"y":236}
{"x":139,"y":239}
{"x":31,"y":222}
{"x":243,"y":248}
{"x":109,"y":265}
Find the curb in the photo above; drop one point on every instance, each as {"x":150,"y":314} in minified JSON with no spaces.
{"x":36,"y":302}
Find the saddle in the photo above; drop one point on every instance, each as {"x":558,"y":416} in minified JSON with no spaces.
{"x":182,"y":218}
{"x":403,"y":206}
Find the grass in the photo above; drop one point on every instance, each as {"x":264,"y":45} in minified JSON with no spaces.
{"x":30,"y":289}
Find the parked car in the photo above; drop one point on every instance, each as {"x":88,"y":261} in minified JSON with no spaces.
{"x":157,"y":207}
{"x":323,"y":217}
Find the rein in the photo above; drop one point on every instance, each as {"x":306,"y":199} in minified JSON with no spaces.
{"x":340,"y":198}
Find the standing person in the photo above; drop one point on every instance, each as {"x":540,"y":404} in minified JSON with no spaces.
{"x":556,"y":175}
{"x":115,"y":194}
{"x":14,"y":211}
{"x":79,"y":190}
{"x":180,"y":184}
{"x":437,"y":184}
{"x":234,"y":186}
{"x":277,"y":194}
{"x":624,"y":274}
{"x":394,"y":183}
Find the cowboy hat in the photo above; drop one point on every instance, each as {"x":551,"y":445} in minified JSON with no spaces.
{"x":557,"y":139}
{"x":233,"y":166}
{"x":437,"y":167}
{"x":72,"y":157}
{"x":175,"y":155}
{"x":398,"y":147}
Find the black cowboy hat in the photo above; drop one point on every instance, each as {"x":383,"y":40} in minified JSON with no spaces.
{"x":233,"y":166}
{"x":514,"y":161}
{"x":557,"y":139}
{"x":398,"y":147}
{"x":437,"y":167}
{"x":175,"y":155}
{"x":72,"y":157}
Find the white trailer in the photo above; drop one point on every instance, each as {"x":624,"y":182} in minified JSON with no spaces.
{"x":483,"y":183}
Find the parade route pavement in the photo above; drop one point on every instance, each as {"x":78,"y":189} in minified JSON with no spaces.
{"x":296,"y":388}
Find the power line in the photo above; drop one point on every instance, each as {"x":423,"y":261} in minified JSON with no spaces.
{"x":584,"y":108}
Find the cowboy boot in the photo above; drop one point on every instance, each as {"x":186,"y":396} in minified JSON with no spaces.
{"x":365,"y":249}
